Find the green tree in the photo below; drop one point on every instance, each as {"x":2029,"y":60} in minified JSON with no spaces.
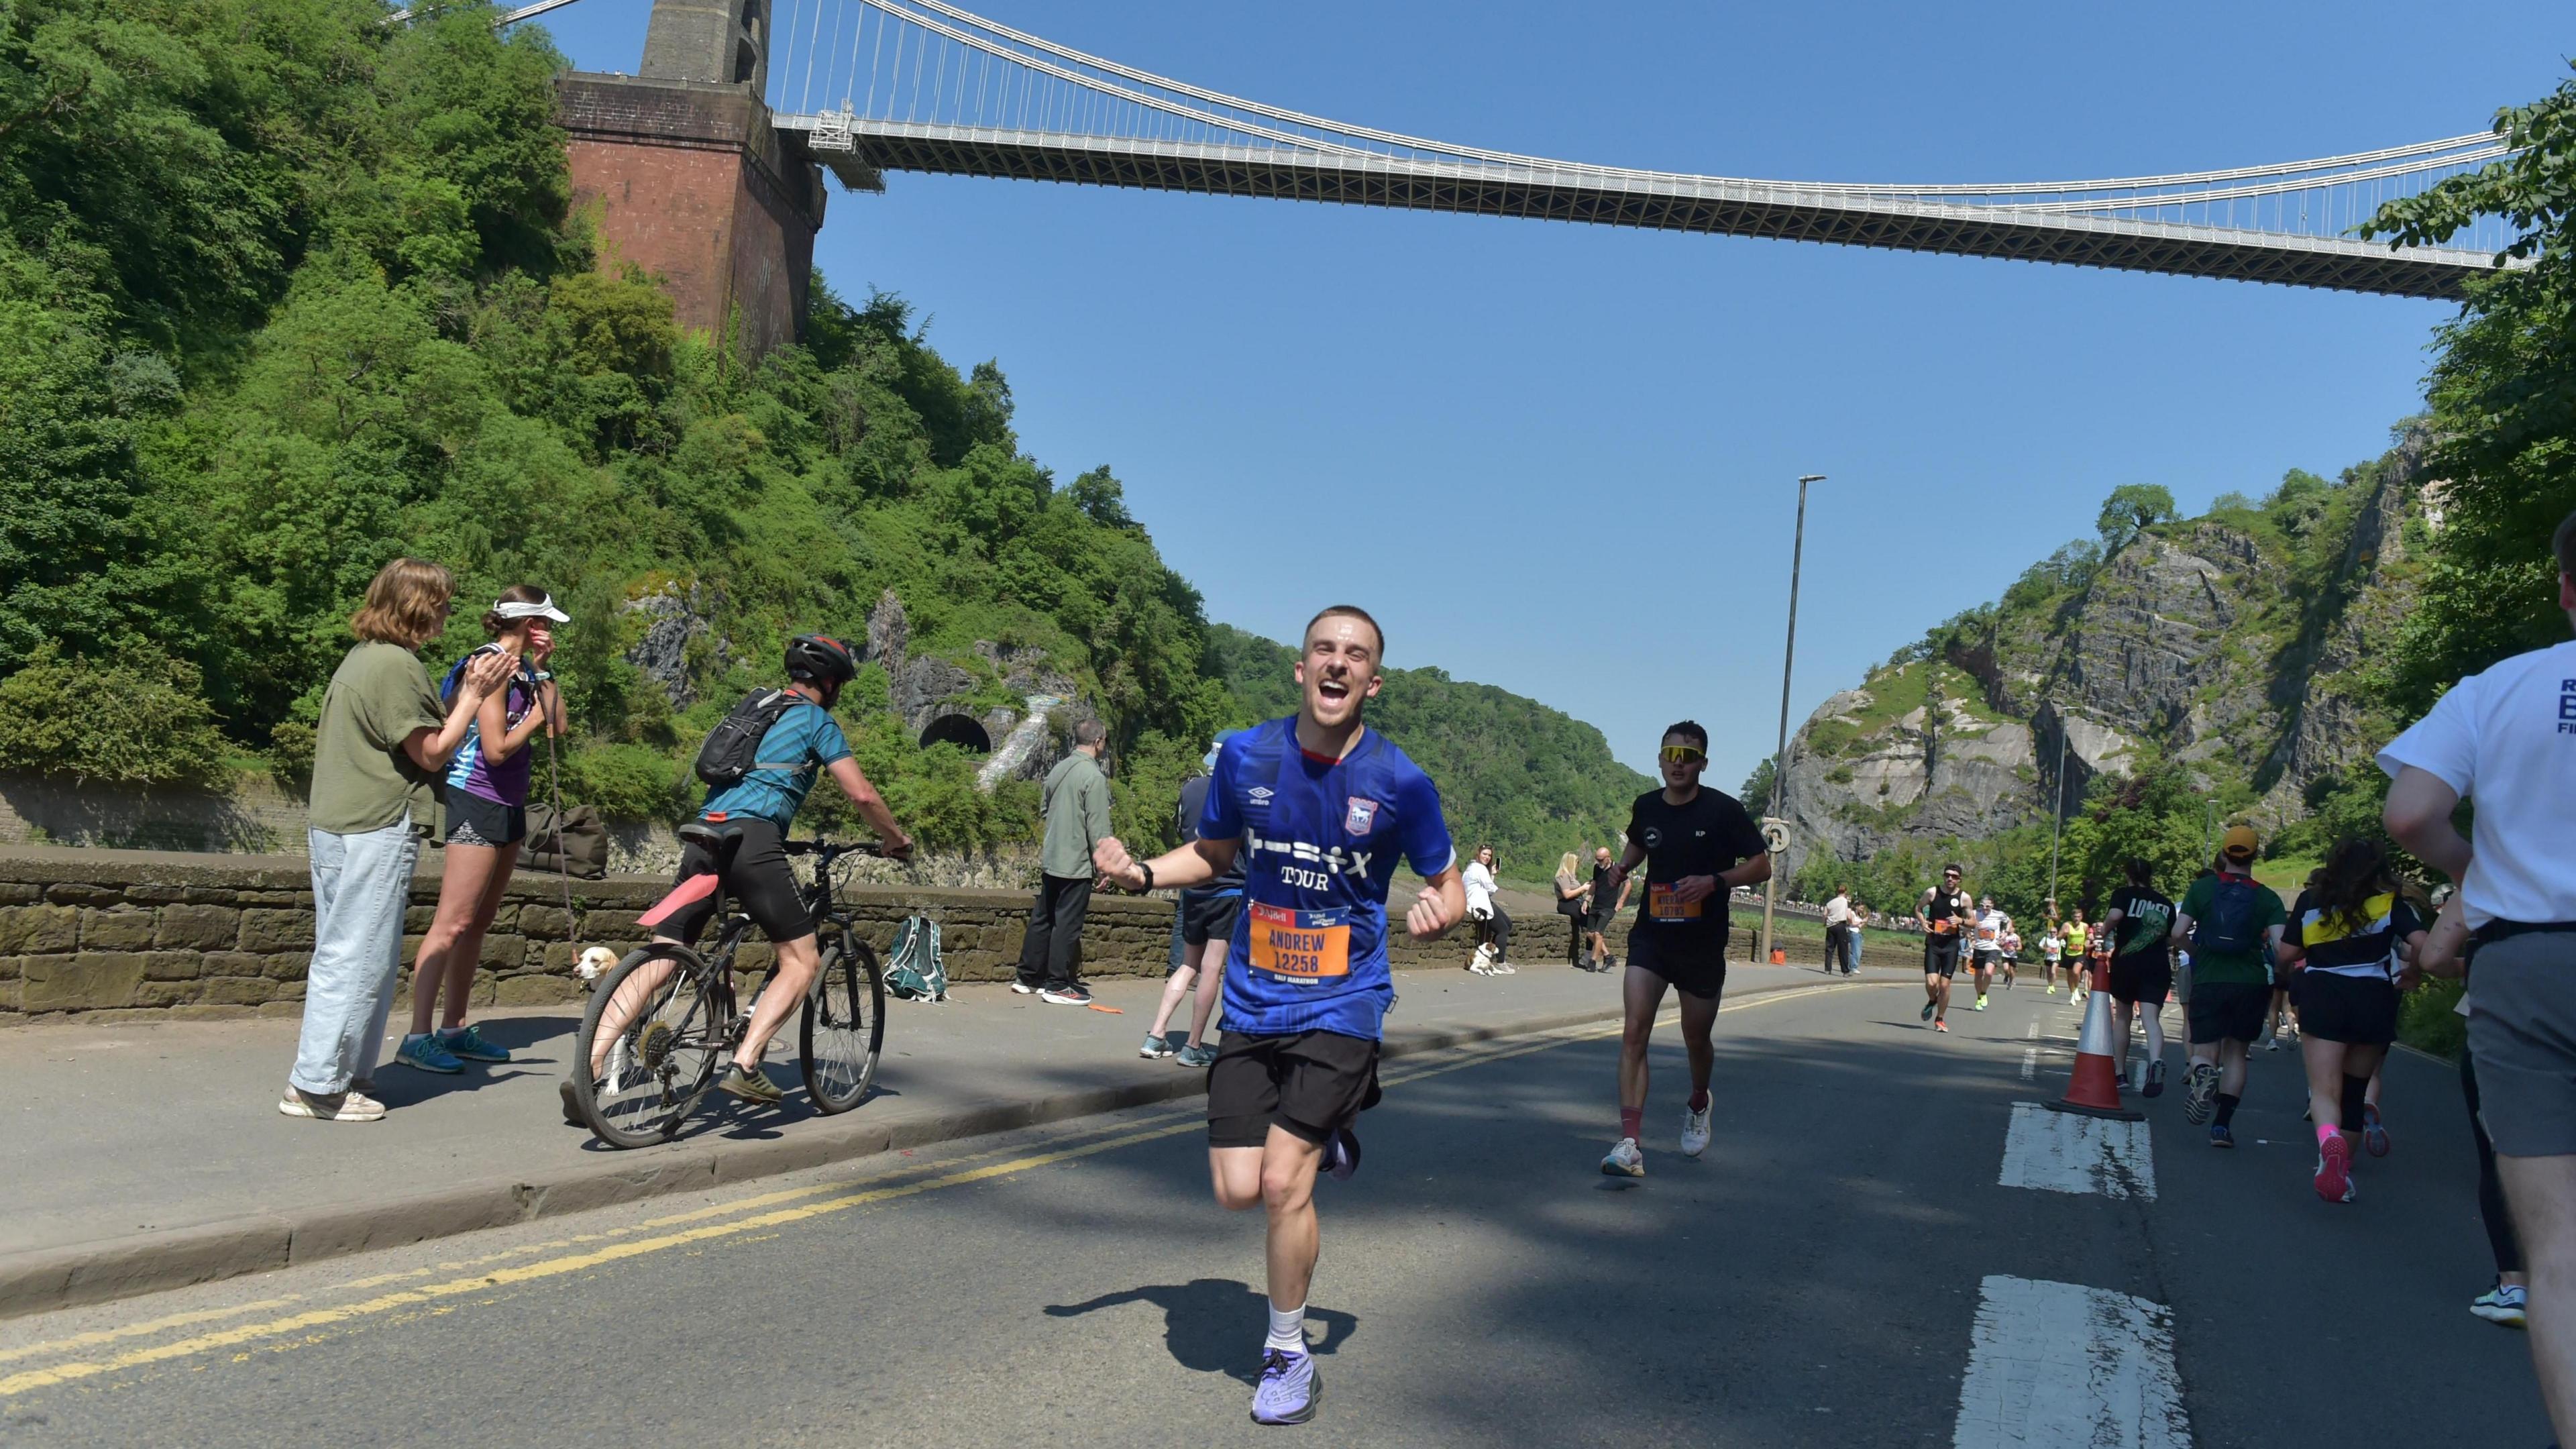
{"x":2132,"y":509}
{"x":2503,"y":392}
{"x":1756,"y":790}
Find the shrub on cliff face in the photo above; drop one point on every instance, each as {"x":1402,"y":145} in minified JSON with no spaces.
{"x":133,"y":721}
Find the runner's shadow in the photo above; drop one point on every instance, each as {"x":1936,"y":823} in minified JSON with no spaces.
{"x":1212,"y":1325}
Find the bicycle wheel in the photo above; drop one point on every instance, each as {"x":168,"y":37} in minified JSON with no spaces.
{"x":675,"y":1032}
{"x":844,"y":1026}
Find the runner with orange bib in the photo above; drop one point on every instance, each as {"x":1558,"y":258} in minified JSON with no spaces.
{"x":1948,"y":913}
{"x":1319,"y":810}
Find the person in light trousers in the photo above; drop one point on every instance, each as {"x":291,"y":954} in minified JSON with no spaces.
{"x":378,"y":754}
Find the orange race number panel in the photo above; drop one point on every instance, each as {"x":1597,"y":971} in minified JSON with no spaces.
{"x":1303,"y":945}
{"x":1661,"y":906}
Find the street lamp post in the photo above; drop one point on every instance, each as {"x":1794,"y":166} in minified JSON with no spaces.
{"x":1788,"y":664}
{"x":2057,"y":817}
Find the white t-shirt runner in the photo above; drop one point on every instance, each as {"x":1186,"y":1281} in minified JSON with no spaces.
{"x":1990,"y":932}
{"x":2507,"y":740}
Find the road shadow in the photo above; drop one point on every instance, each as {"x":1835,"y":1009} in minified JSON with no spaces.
{"x":401,"y":1086}
{"x":1210,"y":1324}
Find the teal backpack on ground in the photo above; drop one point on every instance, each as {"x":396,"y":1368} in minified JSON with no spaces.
{"x":914,"y":970}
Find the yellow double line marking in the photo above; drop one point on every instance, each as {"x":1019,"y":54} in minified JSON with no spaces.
{"x":1170,"y":1125}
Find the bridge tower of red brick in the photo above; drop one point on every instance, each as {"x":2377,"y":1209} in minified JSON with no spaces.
{"x":687,"y":178}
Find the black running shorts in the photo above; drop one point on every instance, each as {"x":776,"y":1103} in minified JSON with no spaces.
{"x":760,"y":884}
{"x":2147,"y":977}
{"x":1940,"y":955}
{"x":1209,"y":916}
{"x":2355,"y":1010}
{"x":473,"y":820}
{"x":1694,"y":967}
{"x":2227,"y":1010}
{"x":1310,"y":1082}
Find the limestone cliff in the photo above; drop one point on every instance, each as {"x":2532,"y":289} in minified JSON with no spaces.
{"x":2229,"y":642}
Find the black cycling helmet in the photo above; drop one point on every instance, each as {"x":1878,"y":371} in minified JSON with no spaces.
{"x":821,"y":658}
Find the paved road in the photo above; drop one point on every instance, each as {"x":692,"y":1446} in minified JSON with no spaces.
{"x":1834,"y":1270}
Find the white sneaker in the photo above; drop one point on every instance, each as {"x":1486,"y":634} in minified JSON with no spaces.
{"x":1695,"y":1130}
{"x":1022,"y":988}
{"x":1624,"y":1160}
{"x":349,"y":1106}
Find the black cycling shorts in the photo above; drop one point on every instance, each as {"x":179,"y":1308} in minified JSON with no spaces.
{"x":1209,"y":916}
{"x":1309,"y":1082}
{"x":760,"y":883}
{"x":1695,"y":964}
{"x":1940,"y":955}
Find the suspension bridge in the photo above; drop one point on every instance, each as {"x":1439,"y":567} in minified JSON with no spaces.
{"x":924,"y":86}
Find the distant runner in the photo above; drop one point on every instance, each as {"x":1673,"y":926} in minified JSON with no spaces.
{"x":2350,"y":947}
{"x":2077,"y":943}
{"x":1947,"y":911}
{"x":1698,"y":845}
{"x":1992,"y":925}
{"x":2232,"y":921}
{"x":2051,"y":947}
{"x":1319,"y":808}
{"x":2138,"y":925}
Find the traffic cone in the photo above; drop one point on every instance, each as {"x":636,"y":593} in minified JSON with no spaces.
{"x":2094,"y":1090}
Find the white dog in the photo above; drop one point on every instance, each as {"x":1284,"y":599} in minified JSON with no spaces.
{"x":594,"y":963}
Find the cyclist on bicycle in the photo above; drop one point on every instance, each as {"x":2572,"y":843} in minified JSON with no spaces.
{"x":803,"y":744}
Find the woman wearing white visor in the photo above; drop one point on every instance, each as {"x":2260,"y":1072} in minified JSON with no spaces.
{"x":487,"y":817}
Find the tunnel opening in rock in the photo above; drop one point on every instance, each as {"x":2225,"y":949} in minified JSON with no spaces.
{"x":961,"y":730}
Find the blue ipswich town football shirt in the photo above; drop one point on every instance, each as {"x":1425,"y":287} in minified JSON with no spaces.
{"x":1321,"y":840}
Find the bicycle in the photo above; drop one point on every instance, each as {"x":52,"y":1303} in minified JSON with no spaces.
{"x":685,"y":1022}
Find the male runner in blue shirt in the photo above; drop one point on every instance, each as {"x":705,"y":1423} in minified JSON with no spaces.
{"x":1319,"y":808}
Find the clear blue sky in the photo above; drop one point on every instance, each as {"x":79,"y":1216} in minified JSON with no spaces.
{"x":1559,"y":459}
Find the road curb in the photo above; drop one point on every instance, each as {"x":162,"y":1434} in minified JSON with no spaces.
{"x":102,"y":1272}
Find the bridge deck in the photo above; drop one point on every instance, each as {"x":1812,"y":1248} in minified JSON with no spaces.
{"x":1661,"y":202}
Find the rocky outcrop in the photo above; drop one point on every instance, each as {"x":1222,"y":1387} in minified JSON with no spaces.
{"x":676,"y":617}
{"x":2229,"y":643}
{"x":923,"y":687}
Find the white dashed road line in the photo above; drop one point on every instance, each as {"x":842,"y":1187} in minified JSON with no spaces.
{"x":2063,"y":1364}
{"x":2068,"y":1152}
{"x":2029,"y":1065}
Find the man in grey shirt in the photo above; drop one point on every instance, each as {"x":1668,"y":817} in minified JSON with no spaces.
{"x":1077,"y":815}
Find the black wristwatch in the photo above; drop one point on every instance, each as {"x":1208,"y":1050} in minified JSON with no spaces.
{"x":1147,"y":868}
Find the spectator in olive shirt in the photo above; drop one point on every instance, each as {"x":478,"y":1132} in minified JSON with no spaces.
{"x":2228,"y":919}
{"x":378,"y":754}
{"x":1077,"y":817}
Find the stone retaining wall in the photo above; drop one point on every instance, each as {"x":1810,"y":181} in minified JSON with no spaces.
{"x":104,"y":935}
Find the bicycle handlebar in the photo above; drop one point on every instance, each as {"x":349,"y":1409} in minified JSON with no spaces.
{"x":830,"y":851}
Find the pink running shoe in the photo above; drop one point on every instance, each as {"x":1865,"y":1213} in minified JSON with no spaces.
{"x":2334,"y":1169}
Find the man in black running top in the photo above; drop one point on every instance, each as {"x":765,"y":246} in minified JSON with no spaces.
{"x":1697,"y":846}
{"x":1947,"y":911}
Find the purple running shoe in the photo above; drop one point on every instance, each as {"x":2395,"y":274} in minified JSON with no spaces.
{"x":1289,"y":1390}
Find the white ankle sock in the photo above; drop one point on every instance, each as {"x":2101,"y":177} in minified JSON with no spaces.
{"x":1287,"y":1329}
